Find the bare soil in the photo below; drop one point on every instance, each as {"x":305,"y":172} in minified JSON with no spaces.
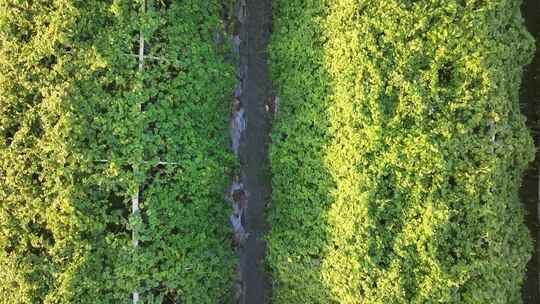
{"x":530,"y":97}
{"x":254,"y":34}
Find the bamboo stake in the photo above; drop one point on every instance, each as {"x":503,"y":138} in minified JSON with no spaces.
{"x":135,"y":198}
{"x":143,"y":162}
{"x":135,"y":209}
{"x":147,"y":57}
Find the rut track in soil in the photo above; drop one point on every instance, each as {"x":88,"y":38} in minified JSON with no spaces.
{"x":530,"y":96}
{"x":255,"y":34}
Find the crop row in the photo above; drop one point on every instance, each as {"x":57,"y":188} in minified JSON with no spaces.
{"x":87,"y":122}
{"x":398,"y":151}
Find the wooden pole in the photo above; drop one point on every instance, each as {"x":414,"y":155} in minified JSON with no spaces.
{"x":135,"y":198}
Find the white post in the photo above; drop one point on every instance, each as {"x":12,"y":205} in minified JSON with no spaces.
{"x":135,"y":198}
{"x":135,"y":209}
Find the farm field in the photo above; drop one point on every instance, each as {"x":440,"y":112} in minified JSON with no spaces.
{"x":269,"y":151}
{"x":398,"y":152}
{"x":103,"y":103}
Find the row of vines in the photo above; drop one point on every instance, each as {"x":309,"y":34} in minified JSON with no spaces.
{"x":101,"y":103}
{"x":398,"y":151}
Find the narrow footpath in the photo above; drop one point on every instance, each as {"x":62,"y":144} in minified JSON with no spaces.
{"x":254,"y":36}
{"x":530,"y":96}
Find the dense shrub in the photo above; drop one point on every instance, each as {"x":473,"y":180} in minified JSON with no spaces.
{"x":398,"y":152}
{"x":301,"y":183}
{"x":185,"y":251}
{"x":82,"y":130}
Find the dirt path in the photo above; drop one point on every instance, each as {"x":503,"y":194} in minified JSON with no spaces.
{"x":254,"y":35}
{"x":530,"y":96}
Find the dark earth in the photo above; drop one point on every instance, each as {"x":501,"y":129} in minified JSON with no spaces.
{"x":530,"y":96}
{"x":254,"y":34}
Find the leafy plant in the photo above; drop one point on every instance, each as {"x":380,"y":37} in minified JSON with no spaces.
{"x":82,"y":129}
{"x":398,"y":152}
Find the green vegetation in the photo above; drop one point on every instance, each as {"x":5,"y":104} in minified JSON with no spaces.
{"x":398,"y":151}
{"x":82,"y":130}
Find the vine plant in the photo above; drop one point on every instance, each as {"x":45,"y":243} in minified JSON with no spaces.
{"x":88,"y":127}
